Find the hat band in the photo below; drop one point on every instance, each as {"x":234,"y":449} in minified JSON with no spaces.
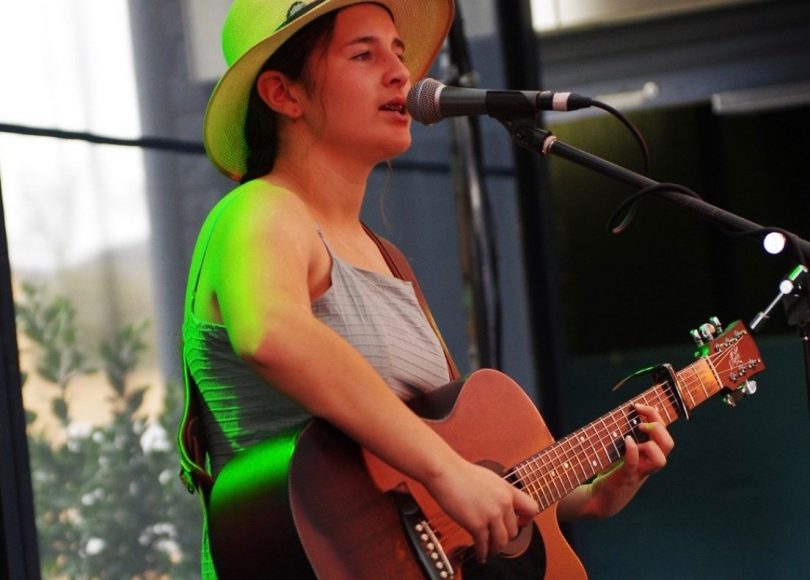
{"x":297,"y":10}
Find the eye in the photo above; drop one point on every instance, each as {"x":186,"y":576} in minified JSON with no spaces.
{"x":365,"y":55}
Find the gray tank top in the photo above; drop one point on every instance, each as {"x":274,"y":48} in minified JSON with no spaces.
{"x":379,"y":315}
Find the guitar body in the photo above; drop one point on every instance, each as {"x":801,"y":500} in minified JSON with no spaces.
{"x":315,"y":504}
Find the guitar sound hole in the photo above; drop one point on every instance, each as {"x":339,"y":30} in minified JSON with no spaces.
{"x":530,"y":565}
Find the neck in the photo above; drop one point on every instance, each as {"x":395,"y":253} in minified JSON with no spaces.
{"x":333,"y":190}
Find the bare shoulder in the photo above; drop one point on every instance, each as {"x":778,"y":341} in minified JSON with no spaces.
{"x":259,"y":240}
{"x":259,"y":215}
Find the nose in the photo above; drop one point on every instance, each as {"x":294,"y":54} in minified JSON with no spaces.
{"x":397,"y":74}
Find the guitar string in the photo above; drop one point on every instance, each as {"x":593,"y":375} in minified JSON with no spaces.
{"x":456,"y":533}
{"x":655,"y":392}
{"x":649,"y":397}
{"x":599,"y":442}
{"x":438,"y":522}
{"x":574,"y":455}
{"x":667,"y":404}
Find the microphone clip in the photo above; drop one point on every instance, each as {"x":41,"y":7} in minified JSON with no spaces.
{"x":527,"y":135}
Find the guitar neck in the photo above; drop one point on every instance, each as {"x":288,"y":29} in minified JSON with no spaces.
{"x":557,"y":470}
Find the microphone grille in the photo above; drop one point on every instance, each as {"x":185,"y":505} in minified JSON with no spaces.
{"x":423,"y":101}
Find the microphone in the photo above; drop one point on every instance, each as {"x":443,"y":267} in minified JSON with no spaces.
{"x":430,"y":101}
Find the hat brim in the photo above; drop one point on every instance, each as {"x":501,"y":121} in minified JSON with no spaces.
{"x":422,"y":24}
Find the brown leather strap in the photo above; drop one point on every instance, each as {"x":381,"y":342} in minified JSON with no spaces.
{"x":191,"y":441}
{"x":401,"y":268}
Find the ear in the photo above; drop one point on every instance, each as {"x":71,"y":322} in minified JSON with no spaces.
{"x":280,"y":93}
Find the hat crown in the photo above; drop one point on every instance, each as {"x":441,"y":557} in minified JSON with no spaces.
{"x":250,"y":22}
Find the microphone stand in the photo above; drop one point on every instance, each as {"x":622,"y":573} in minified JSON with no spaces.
{"x":796,"y":300}
{"x":476,"y":230}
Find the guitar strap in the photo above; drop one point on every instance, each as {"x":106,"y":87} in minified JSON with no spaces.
{"x":191,"y":436}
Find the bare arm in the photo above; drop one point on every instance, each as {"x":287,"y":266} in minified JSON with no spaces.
{"x":266,"y":258}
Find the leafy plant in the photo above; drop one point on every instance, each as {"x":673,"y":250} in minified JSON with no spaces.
{"x":108,"y":501}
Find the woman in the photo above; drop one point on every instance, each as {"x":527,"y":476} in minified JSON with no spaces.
{"x":292,"y":310}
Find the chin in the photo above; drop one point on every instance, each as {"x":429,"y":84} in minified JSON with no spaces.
{"x":390,"y":151}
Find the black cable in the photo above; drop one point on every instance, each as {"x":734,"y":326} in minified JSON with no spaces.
{"x":642,"y":143}
{"x":161,"y":143}
{"x":628,"y":208}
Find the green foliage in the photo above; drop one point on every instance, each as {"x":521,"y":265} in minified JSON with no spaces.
{"x":108,"y":501}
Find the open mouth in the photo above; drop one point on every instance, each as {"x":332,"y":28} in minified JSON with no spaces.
{"x":396,"y":107}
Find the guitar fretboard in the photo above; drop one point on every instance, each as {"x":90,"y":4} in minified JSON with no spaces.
{"x":556,"y":471}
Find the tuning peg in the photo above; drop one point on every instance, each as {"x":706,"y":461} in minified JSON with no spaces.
{"x":748,"y":388}
{"x":696,"y":337}
{"x":716,"y":322}
{"x":731,"y":399}
{"x":708,"y":331}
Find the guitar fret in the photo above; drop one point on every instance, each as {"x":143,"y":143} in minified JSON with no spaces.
{"x":615,"y":437}
{"x":548,"y":474}
{"x":564,"y":464}
{"x":594,"y":461}
{"x":700,"y":380}
{"x":708,"y":363}
{"x":612,"y":437}
{"x":662,"y":405}
{"x":632,"y":420}
{"x":533,"y":486}
{"x":561,"y":467}
{"x":585,"y":448}
{"x":578,"y":462}
{"x":689,"y":392}
{"x":552,"y":475}
{"x":554,"y":478}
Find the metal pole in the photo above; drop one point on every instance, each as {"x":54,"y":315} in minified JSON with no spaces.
{"x":476,"y":239}
{"x":522,"y":71}
{"x":19,"y":555}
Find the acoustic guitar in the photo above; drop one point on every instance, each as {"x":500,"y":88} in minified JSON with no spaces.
{"x":311,"y":503}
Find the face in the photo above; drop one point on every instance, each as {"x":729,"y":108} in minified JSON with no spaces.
{"x":360,"y":84}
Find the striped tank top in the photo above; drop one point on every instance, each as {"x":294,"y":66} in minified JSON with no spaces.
{"x":379,"y":315}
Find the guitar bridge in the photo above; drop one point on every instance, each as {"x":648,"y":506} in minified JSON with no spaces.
{"x":423,"y":539}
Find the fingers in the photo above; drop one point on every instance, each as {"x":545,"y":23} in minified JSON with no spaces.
{"x":512,"y":528}
{"x":650,"y":456}
{"x":630,"y":454}
{"x":655,"y":428}
{"x":499,"y":536}
{"x":493,"y":537}
{"x":482,"y":545}
{"x":524,"y":505}
{"x":505,"y":526}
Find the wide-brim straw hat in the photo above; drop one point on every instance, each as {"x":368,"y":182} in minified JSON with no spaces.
{"x":255,"y":29}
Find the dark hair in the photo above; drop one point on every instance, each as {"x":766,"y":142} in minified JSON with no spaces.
{"x":261,"y":122}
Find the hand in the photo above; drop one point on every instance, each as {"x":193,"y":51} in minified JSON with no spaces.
{"x":641,"y":460}
{"x":611,"y":491}
{"x":485,"y":505}
{"x":614,"y":490}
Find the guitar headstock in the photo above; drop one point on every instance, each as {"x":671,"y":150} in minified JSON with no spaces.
{"x":734,"y":356}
